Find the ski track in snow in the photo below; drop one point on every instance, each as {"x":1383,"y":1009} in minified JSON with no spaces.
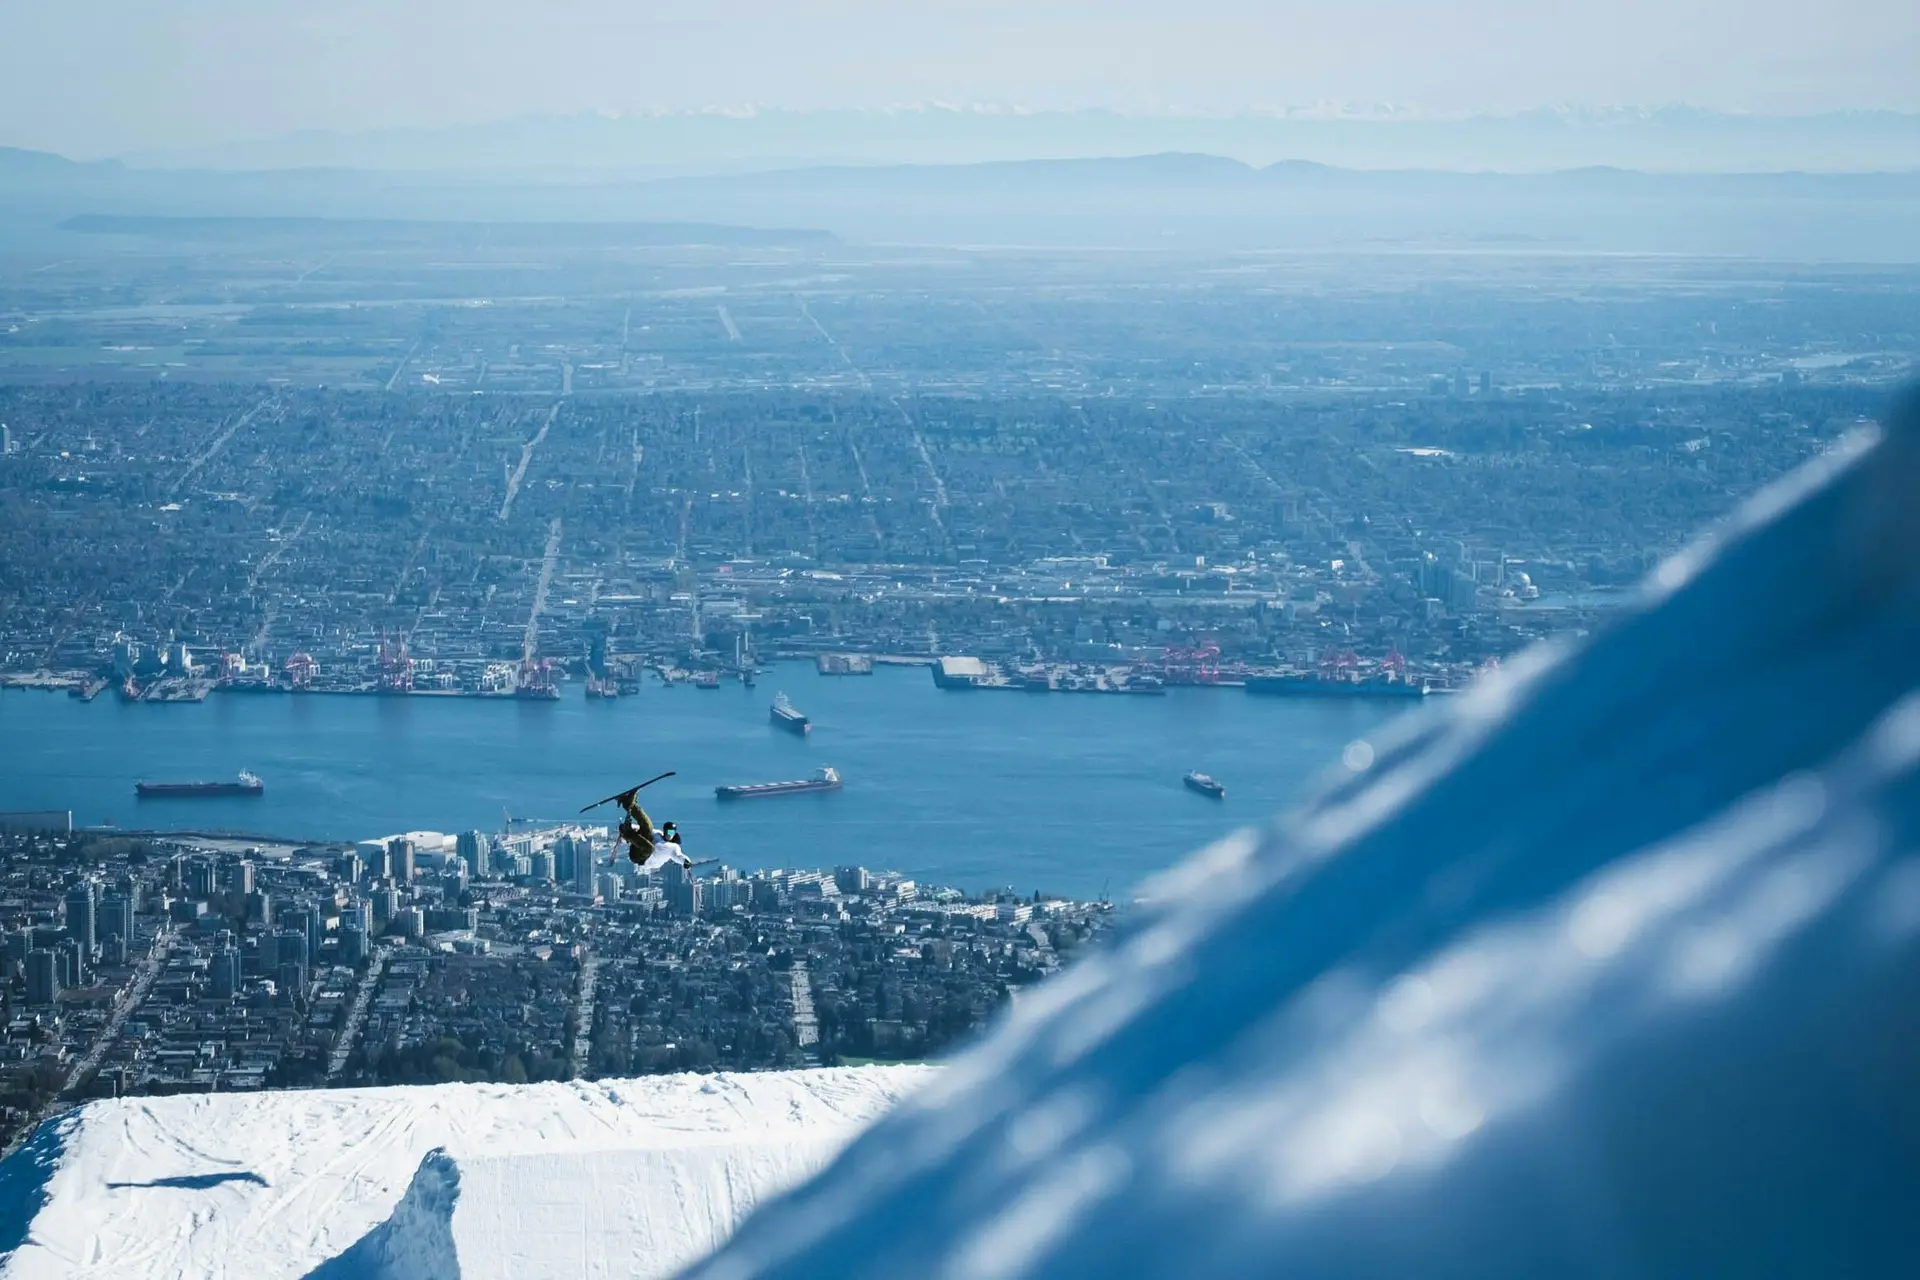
{"x":616,"y":1178}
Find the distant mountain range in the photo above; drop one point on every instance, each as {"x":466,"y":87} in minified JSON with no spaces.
{"x":1167,"y":200}
{"x":420,"y":233}
{"x":1669,"y":139}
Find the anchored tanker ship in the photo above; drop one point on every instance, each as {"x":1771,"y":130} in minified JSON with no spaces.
{"x":824,"y":780}
{"x":246,"y":785}
{"x":787,"y":717}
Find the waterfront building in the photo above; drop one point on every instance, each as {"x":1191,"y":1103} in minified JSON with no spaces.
{"x":400,"y":859}
{"x":473,"y":848}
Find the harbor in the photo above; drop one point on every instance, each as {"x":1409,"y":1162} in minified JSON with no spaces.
{"x":175,"y":674}
{"x":933,"y":779}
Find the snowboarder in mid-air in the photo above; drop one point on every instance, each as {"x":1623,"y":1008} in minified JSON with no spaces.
{"x":650,"y":849}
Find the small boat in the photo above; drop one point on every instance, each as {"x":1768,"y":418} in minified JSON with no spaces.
{"x":1205,"y":785}
{"x":707,"y":680}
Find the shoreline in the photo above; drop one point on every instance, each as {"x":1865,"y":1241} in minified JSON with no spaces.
{"x":78,"y":685}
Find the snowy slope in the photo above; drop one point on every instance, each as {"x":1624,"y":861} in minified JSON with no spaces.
{"x":617,"y":1178}
{"x":1610,"y":969}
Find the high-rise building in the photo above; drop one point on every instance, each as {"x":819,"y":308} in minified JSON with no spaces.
{"x":349,"y":867}
{"x":43,"y":976}
{"x":19,"y":942}
{"x":6,"y":439}
{"x":473,"y":848}
{"x":259,"y":907}
{"x":400,"y":859}
{"x":353,"y":942}
{"x":386,"y":905}
{"x":564,"y":854}
{"x":80,"y":919}
{"x":73,"y":963}
{"x":541,"y":865}
{"x":852,"y":879}
{"x":304,"y":919}
{"x":115,"y":918}
{"x":586,"y":867}
{"x":240,"y":878}
{"x":223,"y":974}
{"x":681,"y":890}
{"x":200,"y":878}
{"x":359,"y":914}
{"x":293,"y":946}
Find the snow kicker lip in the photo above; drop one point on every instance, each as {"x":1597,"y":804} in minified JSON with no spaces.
{"x":416,"y":1240}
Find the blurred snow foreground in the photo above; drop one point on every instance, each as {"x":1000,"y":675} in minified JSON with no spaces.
{"x":1610,"y":968}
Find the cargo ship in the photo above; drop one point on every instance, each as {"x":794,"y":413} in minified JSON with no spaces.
{"x":1314,"y":686}
{"x":823,"y":780}
{"x":1205,"y":785}
{"x":784,"y":715}
{"x":246,"y":785}
{"x":706,"y":680}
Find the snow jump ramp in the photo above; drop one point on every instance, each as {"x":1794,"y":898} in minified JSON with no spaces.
{"x":617,"y":1178}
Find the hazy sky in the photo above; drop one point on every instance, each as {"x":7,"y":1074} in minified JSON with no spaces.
{"x":99,"y":77}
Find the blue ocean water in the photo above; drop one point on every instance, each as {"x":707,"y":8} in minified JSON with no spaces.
{"x":1063,"y":793}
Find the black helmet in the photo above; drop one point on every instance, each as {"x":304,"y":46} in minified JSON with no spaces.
{"x":669,"y":829}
